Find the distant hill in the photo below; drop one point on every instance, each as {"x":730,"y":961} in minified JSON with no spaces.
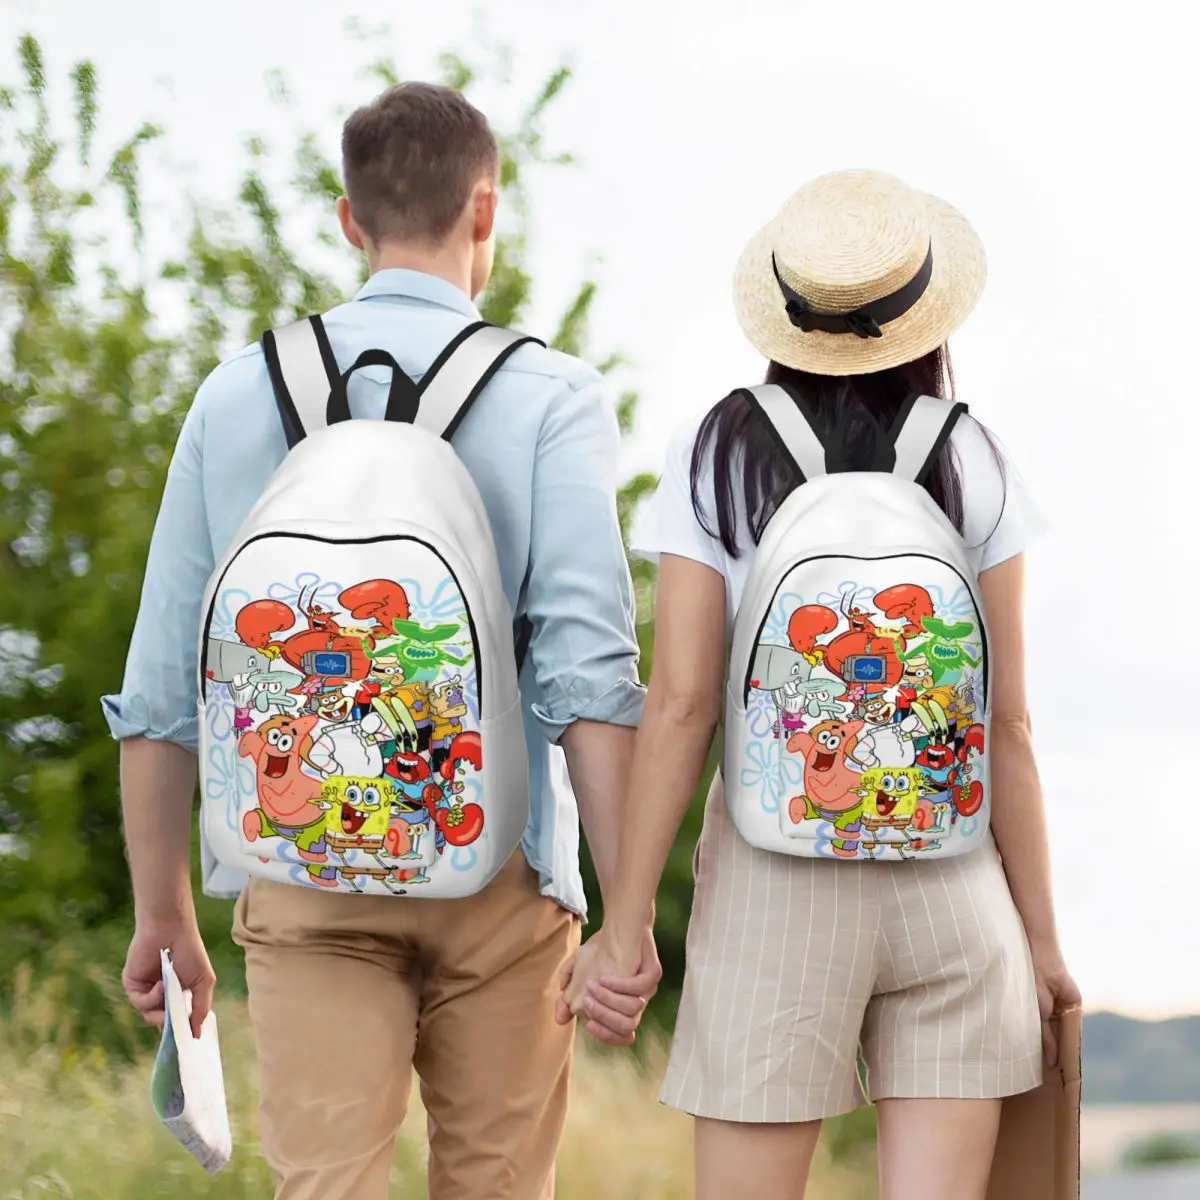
{"x":1140,"y":1062}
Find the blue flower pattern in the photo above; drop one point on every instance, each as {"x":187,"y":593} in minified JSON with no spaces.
{"x":226,"y":779}
{"x":218,"y":712}
{"x":309,"y":588}
{"x":762,"y":715}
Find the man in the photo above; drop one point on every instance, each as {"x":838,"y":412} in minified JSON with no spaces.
{"x":348,"y":993}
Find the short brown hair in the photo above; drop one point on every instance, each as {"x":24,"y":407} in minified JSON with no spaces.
{"x":410,"y":159}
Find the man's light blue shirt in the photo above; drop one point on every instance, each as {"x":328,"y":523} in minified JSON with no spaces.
{"x":541,"y":444}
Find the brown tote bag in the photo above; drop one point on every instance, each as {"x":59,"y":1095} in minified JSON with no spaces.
{"x":1037,"y":1152}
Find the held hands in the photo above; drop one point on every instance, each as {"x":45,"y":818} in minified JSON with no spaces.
{"x":142,"y":977}
{"x":608,"y":988}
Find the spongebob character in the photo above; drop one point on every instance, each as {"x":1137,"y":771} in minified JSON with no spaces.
{"x":358,"y":815}
{"x":890,"y":796}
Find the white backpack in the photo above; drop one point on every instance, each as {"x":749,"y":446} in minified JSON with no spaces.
{"x":857,"y":700}
{"x":361,"y":728}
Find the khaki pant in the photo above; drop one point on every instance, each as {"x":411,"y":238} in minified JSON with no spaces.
{"x":349,"y":993}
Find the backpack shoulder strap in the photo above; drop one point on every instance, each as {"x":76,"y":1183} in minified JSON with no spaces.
{"x":792,"y":426}
{"x":922,"y":429}
{"x":303,"y":370}
{"x":460,"y":373}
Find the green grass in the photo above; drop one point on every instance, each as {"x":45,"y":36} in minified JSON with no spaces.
{"x":76,"y":1122}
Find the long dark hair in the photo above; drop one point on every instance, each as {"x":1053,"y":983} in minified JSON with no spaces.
{"x":854,"y":410}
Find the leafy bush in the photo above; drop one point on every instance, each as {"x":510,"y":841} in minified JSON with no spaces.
{"x":1162,"y":1149}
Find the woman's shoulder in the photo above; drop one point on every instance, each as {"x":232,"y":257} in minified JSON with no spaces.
{"x":1001,"y":517}
{"x":667,"y":520}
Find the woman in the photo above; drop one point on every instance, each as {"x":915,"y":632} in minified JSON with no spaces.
{"x":936,"y":969}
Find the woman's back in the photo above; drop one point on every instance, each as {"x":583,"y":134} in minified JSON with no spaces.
{"x":860,"y":721}
{"x":1000,"y":516}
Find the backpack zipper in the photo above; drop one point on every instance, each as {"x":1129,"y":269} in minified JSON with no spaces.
{"x":869,"y":558}
{"x":364,"y":541}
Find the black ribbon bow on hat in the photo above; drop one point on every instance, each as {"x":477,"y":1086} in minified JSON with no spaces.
{"x":864,"y":322}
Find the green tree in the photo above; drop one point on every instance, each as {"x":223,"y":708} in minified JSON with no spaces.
{"x":93,"y":385}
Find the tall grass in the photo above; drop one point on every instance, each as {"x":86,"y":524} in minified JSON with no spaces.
{"x":77,"y":1122}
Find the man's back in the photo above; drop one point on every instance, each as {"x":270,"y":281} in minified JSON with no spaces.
{"x":412,"y":316}
{"x":476,"y":974}
{"x":541,"y":444}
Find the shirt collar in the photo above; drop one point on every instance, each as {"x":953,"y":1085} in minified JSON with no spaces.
{"x":416,"y":285}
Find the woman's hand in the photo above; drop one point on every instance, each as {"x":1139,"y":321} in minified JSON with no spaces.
{"x":1056,"y":992}
{"x":609,"y":987}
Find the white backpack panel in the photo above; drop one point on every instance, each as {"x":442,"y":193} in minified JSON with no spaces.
{"x":360,"y":721}
{"x":857,"y":702}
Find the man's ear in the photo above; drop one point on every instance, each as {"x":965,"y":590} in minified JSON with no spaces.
{"x":485,"y":198}
{"x":350,"y":229}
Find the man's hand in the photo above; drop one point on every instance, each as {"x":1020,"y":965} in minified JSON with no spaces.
{"x":142,"y":977}
{"x":609,"y":989}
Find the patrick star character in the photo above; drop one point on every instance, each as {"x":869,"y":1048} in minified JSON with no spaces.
{"x":830,"y":786}
{"x":289,"y":800}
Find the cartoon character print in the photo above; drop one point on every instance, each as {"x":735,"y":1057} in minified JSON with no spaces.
{"x":439,"y":792}
{"x":357,"y":720}
{"x":879,"y":697}
{"x":891,"y":799}
{"x":360,"y":812}
{"x":448,"y":709}
{"x":947,"y":648}
{"x":830,"y":786}
{"x":326,"y":649}
{"x":239,"y":668}
{"x":800,"y":695}
{"x":866,"y":653}
{"x":289,"y":799}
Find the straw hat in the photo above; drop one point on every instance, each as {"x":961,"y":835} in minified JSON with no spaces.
{"x":857,"y":273}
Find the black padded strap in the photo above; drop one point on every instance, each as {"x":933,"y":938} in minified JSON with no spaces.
{"x":403,"y":396}
{"x":921,"y":431}
{"x":302,"y":369}
{"x":793,"y":428}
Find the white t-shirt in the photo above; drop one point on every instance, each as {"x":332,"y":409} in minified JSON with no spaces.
{"x":1000,"y":518}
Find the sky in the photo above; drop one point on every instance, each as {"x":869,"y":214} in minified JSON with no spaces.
{"x":1062,"y":133}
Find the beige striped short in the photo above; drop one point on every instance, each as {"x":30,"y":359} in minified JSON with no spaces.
{"x":796,"y":965}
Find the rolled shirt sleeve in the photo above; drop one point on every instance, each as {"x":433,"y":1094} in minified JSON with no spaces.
{"x":579,"y":596}
{"x":158,"y":698}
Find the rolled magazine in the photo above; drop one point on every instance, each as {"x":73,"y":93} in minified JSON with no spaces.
{"x":187,"y":1087}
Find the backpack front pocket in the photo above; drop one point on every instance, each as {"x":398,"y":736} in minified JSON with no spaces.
{"x":859,"y":721}
{"x":342,"y":690}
